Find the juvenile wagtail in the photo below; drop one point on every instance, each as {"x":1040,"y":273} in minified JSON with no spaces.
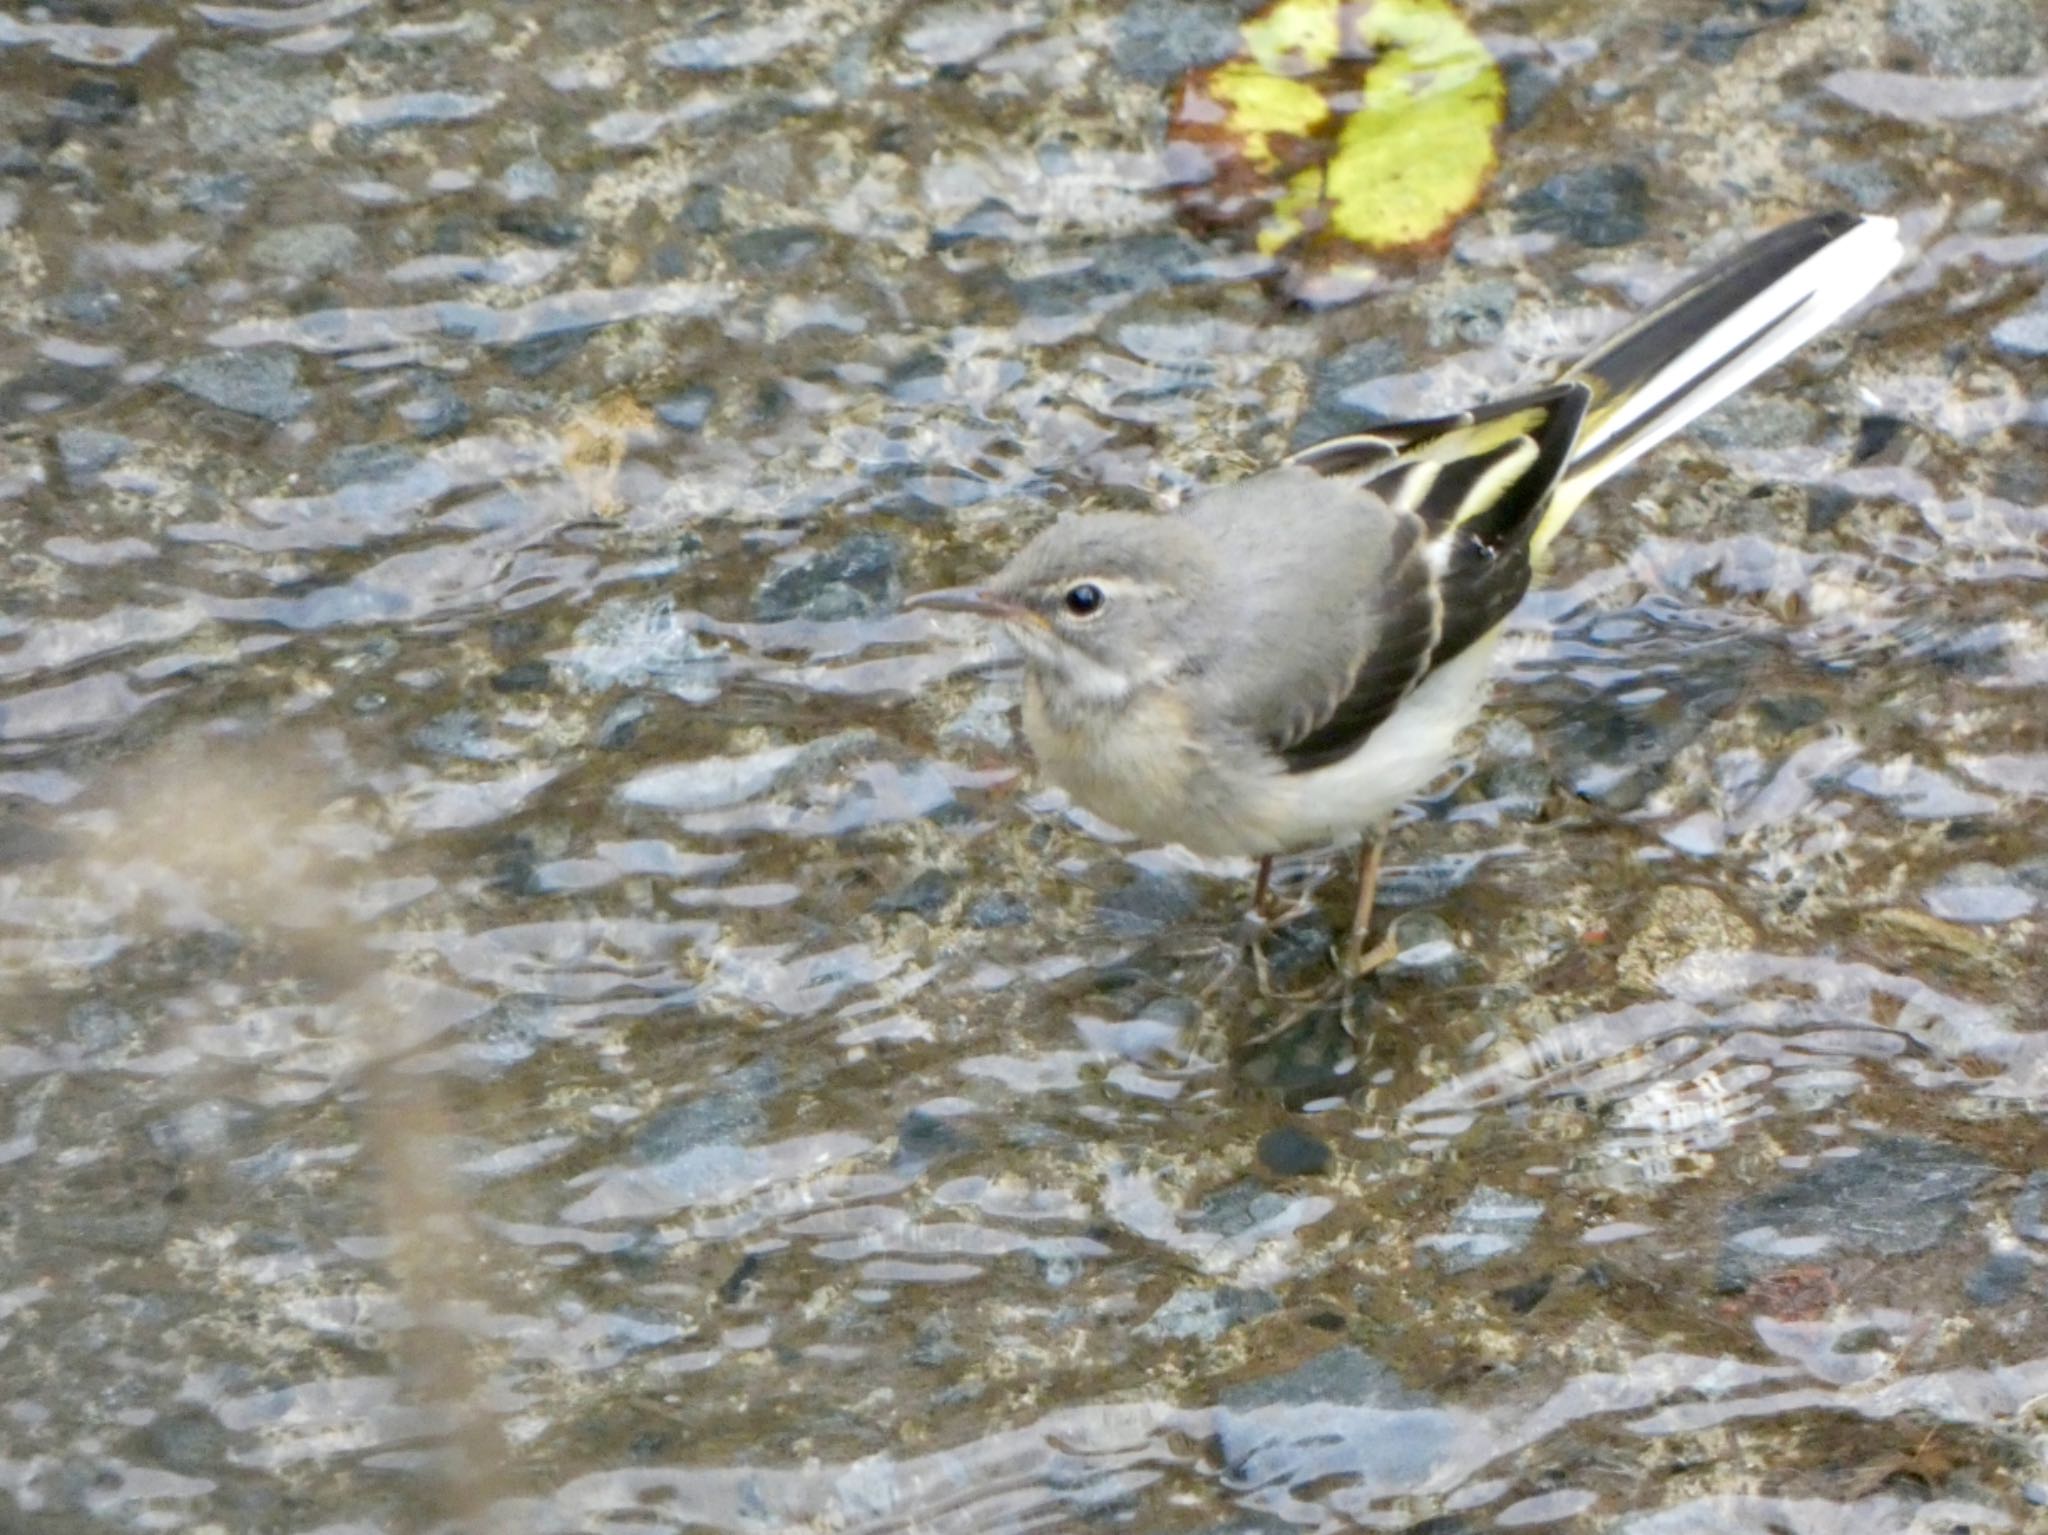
{"x":1285,"y":660}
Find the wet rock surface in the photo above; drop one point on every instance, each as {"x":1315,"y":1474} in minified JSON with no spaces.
{"x":539,"y":1001}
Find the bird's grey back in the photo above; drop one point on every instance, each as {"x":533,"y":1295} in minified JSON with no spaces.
{"x":1307,"y":595}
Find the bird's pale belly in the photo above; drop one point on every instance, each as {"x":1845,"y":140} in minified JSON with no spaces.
{"x":1139,"y":768}
{"x":1135,"y":767}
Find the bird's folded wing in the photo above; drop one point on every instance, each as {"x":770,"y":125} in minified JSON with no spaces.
{"x":1464,"y":495}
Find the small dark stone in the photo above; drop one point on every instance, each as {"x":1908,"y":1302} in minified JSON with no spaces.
{"x":740,"y":1280}
{"x":919,"y":379}
{"x":782,"y":250}
{"x":858,"y":578}
{"x":85,"y":451}
{"x":1720,"y":38}
{"x":1784,"y":713}
{"x":1330,"y":413}
{"x":703,"y":211}
{"x":2002,"y":1278}
{"x":999,"y":908}
{"x":1519,"y":787}
{"x":1827,"y":505}
{"x":1292,"y":1153}
{"x":554,"y":230}
{"x":542,"y":354}
{"x":1530,"y":84}
{"x":1524,"y":1298}
{"x":98,"y":1025}
{"x":2030,"y":1205}
{"x":688,"y":410}
{"x":1873,"y":435}
{"x":1145,"y":905}
{"x":923,"y":1139}
{"x":925,"y":896}
{"x":1600,"y":206}
{"x":95,"y":102}
{"x":615,"y":732}
{"x":226,"y":192}
{"x":522,"y":677}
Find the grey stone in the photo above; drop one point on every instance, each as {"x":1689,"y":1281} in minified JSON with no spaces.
{"x":1199,"y":1315}
{"x":731,"y":1113}
{"x":1145,"y":905}
{"x":1530,"y":85}
{"x":98,"y":1025}
{"x":436,"y":410}
{"x":688,"y":410}
{"x":90,"y":306}
{"x":84,"y":451}
{"x":222,"y":192}
{"x":1900,"y":1196}
{"x":543,"y":354}
{"x":263,"y":383}
{"x":1473,"y":314}
{"x":2024,"y":335}
{"x":536,"y":226}
{"x":767,"y":251}
{"x":529,"y":180}
{"x":1759,"y":421}
{"x":1600,"y":206}
{"x":1344,"y":1375}
{"x":1158,"y":41}
{"x":362,"y":462}
{"x":1331,"y":412}
{"x":857,"y":578}
{"x":1975,"y":37}
{"x":2030,"y":1208}
{"x":999,"y":908}
{"x":2002,"y":1277}
{"x":1237,"y":1207}
{"x":308,"y":250}
{"x":251,"y":101}
{"x":616,"y":731}
{"x":925,"y":896}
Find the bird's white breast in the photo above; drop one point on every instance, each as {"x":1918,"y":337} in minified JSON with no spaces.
{"x":1143,"y":768}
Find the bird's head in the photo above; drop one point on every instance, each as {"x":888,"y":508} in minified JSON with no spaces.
{"x":1101,"y":605}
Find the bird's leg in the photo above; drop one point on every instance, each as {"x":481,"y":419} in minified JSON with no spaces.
{"x":1262,"y":888}
{"x":1357,"y":962}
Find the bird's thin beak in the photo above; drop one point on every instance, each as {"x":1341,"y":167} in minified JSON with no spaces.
{"x":968,"y":599}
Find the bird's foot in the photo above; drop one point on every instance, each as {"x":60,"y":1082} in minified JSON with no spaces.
{"x":1358,"y":962}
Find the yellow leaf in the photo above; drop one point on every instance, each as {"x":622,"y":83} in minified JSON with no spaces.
{"x":1294,"y":36}
{"x":1261,"y":105}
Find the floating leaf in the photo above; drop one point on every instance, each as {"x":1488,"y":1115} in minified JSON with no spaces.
{"x":1348,"y":127}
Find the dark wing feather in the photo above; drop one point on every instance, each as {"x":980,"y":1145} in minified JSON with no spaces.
{"x":1399,"y":660}
{"x":1471,"y":489}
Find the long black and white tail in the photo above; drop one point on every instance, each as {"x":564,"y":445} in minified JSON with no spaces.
{"x":1712,"y":336}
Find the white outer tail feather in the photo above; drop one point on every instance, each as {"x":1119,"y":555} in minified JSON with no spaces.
{"x":1781,"y":318}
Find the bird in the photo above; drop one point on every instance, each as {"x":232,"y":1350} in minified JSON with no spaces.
{"x":1284,"y":660}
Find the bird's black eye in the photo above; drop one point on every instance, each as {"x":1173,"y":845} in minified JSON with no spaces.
{"x":1084,"y":600}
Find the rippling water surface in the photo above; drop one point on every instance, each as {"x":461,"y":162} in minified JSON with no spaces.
{"x":536,"y":1002}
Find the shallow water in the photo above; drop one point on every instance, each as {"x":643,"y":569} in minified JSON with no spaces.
{"x":537,"y":1002}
